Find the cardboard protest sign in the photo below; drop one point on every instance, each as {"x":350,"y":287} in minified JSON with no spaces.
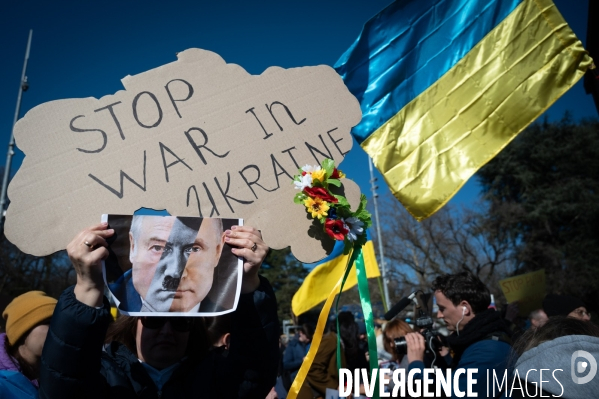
{"x":197,"y":137}
{"x":527,"y":289}
{"x":171,"y":265}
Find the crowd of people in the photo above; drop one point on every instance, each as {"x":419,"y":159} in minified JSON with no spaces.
{"x":72,"y":347}
{"x":479,"y":337}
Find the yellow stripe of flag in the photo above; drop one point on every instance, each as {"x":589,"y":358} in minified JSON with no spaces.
{"x":430,"y":148}
{"x":318,"y":284}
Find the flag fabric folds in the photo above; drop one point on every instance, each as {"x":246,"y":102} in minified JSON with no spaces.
{"x":321,"y":280}
{"x":444,"y":85}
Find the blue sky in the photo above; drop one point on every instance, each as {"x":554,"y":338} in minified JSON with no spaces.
{"x":83,"y":48}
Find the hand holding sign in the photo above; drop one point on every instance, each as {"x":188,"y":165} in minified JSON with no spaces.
{"x":86,"y":251}
{"x":249,"y":245}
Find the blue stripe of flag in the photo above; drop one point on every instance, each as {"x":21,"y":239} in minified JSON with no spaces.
{"x":407,"y":47}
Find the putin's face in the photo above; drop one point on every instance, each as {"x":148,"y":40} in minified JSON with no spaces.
{"x":196,"y":279}
{"x":158,"y":256}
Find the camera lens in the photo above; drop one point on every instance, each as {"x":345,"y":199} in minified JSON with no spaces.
{"x":401,"y":347}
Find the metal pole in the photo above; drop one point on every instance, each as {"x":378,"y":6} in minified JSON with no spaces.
{"x":11,"y":144}
{"x":373,"y":187}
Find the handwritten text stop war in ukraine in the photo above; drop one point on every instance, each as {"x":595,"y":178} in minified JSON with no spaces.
{"x":199,"y":141}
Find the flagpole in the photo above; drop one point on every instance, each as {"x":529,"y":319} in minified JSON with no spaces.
{"x":374,"y":187}
{"x":22,"y":87}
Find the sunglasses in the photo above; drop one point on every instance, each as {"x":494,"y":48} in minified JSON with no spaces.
{"x":180,"y":324}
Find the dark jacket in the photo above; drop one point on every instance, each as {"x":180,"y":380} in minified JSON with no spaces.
{"x":323,"y":373}
{"x":484,"y":344}
{"x":294,"y":357}
{"x":74,"y":365}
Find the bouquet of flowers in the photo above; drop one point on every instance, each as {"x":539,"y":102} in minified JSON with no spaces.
{"x":331,"y":210}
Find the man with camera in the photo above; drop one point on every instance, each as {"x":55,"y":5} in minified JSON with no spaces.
{"x":479,"y":339}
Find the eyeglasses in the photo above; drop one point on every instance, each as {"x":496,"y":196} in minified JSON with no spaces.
{"x":180,"y":324}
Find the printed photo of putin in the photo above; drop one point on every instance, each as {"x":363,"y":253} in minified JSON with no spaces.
{"x":167,"y":264}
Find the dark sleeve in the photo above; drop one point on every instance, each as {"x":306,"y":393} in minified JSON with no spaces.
{"x":70,"y":365}
{"x":489,"y":357}
{"x":252,"y":361}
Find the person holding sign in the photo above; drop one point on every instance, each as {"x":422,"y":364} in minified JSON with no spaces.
{"x":164,"y":357}
{"x":27,"y":319}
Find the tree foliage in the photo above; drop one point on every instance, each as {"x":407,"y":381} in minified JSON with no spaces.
{"x":21,"y":272}
{"x":450,"y":241}
{"x":544,"y":188}
{"x":286,"y":275}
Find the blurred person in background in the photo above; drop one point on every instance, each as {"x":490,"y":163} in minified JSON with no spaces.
{"x":565,"y":305}
{"x":395,"y":328}
{"x":382,"y":353}
{"x":297,"y":349}
{"x":537,"y":318}
{"x":323,"y":372}
{"x":355,"y":354}
{"x":27,"y":319}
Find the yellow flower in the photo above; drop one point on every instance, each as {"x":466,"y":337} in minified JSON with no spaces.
{"x":317,"y":207}
{"x":318,"y":175}
{"x":341,"y":174}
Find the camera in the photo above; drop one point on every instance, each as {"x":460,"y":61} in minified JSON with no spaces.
{"x":423,"y":324}
{"x":434,"y":342}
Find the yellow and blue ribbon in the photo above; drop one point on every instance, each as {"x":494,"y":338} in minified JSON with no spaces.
{"x":356,"y":258}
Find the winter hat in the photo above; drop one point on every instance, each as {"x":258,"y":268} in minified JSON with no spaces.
{"x":560,"y":305}
{"x":25,"y":312}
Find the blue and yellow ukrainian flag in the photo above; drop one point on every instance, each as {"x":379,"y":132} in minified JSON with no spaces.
{"x":319,"y":283}
{"x":444,"y":85}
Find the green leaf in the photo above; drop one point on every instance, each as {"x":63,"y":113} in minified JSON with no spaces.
{"x":334,"y":182}
{"x":299,"y":198}
{"x":344,"y":212}
{"x":328,"y":165}
{"x":342,"y":200}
